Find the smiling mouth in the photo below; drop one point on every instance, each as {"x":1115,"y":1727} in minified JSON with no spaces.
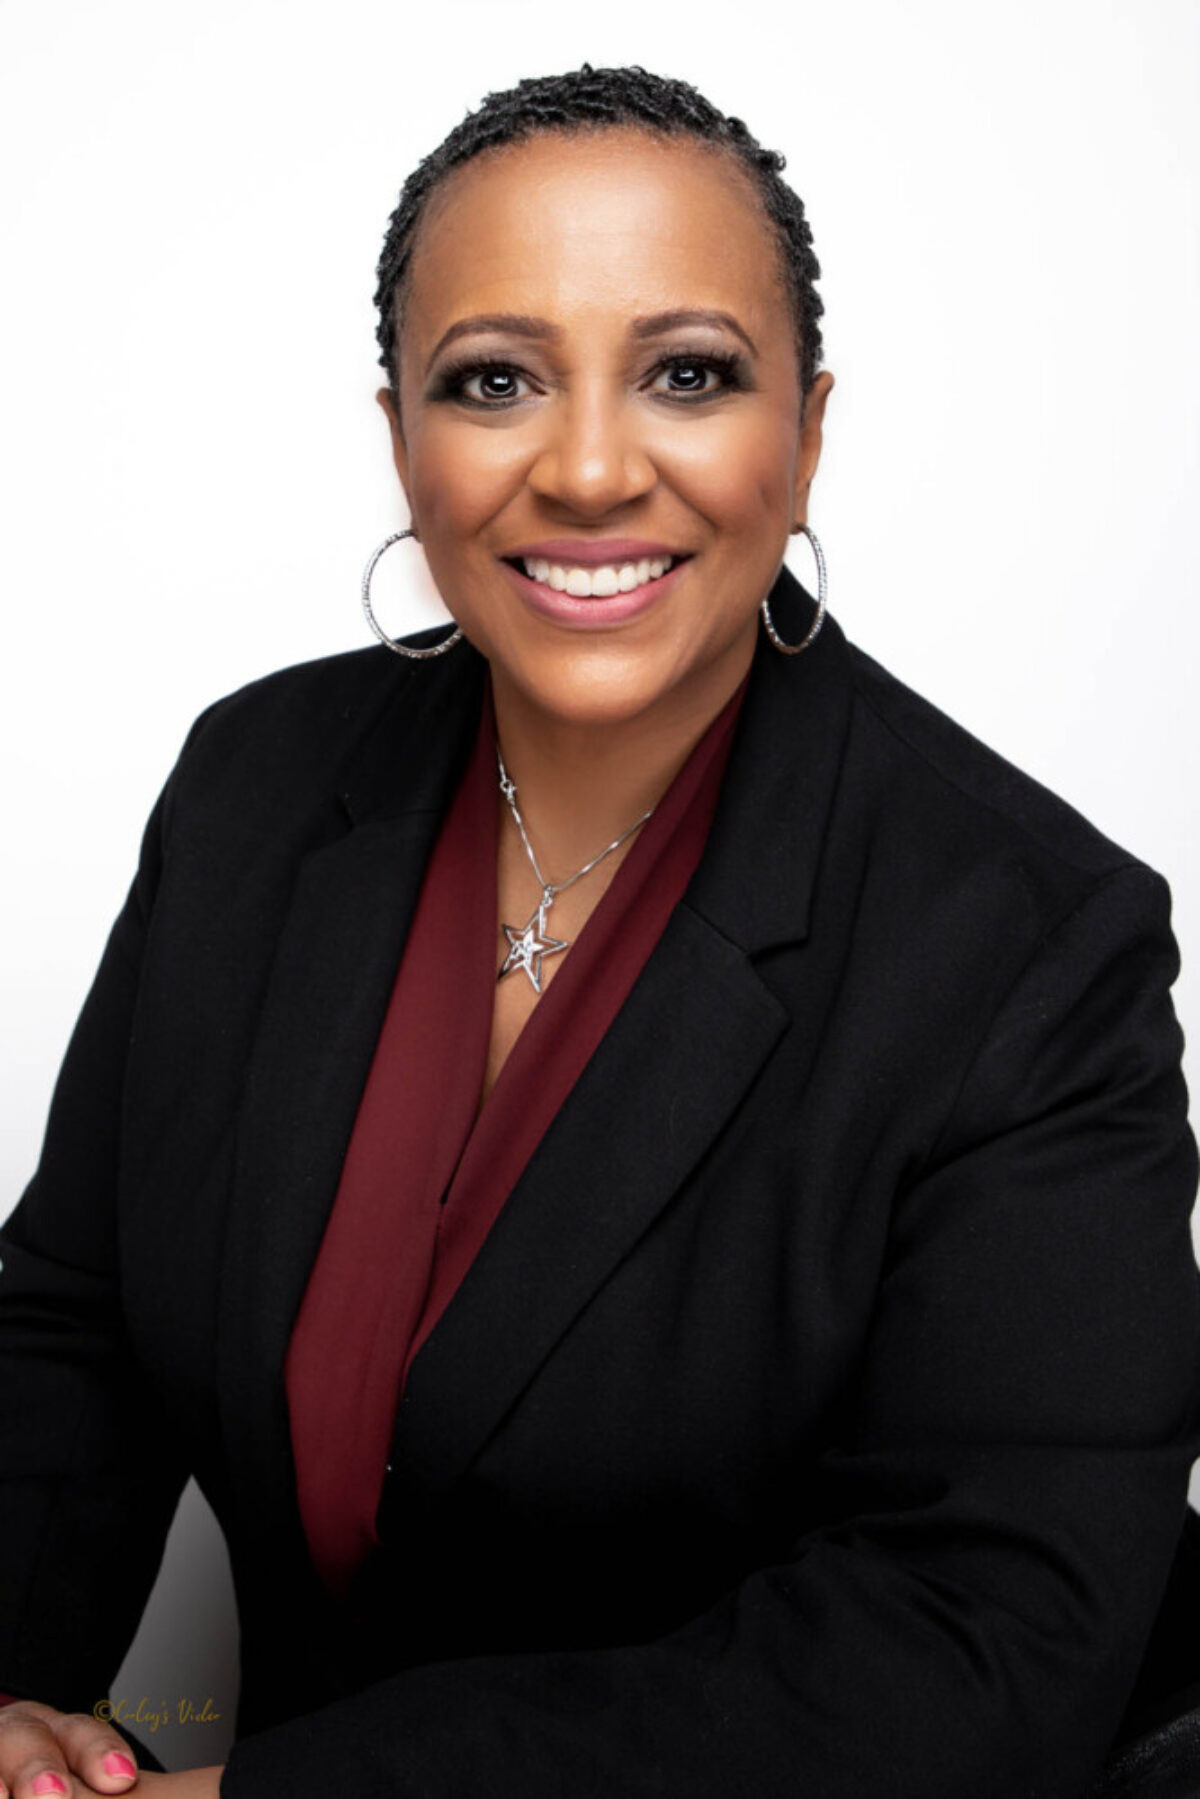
{"x":594,"y":583}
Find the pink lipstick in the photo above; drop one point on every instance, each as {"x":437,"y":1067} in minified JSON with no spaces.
{"x":593,"y":611}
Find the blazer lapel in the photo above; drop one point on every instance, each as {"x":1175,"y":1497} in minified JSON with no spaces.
{"x":647,"y":1106}
{"x":334,"y":965}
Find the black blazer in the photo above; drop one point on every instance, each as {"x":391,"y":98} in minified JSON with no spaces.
{"x":816,"y":1418}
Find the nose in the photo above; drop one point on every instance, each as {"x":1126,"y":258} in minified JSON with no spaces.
{"x":591,"y":459}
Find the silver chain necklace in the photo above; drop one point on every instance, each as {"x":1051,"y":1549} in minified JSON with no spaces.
{"x":527,"y":946}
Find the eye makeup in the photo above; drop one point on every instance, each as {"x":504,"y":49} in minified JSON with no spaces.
{"x":450,"y":381}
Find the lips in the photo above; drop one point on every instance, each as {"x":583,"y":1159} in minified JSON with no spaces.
{"x":592,"y":562}
{"x":580,"y":608}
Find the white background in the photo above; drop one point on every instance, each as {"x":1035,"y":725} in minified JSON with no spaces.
{"x":193,"y":470}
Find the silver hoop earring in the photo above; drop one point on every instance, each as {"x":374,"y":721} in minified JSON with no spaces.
{"x":794,"y":649}
{"x":393,"y":643}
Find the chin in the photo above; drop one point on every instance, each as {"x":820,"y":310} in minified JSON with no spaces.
{"x":595,"y":686}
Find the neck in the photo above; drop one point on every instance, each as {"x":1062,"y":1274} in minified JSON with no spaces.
{"x":582,"y":783}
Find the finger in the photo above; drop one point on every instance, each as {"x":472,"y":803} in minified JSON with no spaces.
{"x":32,"y":1765}
{"x":42,"y":1748}
{"x":95,"y":1752}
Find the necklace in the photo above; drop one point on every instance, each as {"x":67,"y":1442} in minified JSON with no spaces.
{"x":531,"y":942}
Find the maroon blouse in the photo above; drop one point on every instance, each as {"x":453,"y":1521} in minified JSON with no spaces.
{"x":426,"y":1171}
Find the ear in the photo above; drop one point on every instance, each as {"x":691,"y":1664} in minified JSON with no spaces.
{"x":399,"y":453}
{"x":809,"y":453}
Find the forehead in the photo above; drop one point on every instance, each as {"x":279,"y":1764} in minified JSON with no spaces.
{"x":598,"y":224}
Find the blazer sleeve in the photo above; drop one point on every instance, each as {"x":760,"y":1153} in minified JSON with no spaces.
{"x":999,"y":1522}
{"x":87,"y":1493}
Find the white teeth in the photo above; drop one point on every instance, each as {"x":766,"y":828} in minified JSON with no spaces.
{"x":598,"y":583}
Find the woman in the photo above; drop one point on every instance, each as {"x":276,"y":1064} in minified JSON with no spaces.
{"x":645,"y":1169}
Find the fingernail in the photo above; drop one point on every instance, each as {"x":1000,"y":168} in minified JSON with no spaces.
{"x":48,"y":1782}
{"x":116,"y":1763}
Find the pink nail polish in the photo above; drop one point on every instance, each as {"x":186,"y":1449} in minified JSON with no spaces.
{"x":116,"y":1763}
{"x":48,"y":1782}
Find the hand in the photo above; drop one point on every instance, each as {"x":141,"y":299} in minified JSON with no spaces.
{"x":37,"y":1741}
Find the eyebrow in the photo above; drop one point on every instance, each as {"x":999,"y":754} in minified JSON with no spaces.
{"x":522,"y":324}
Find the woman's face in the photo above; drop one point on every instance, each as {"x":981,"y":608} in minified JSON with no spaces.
{"x":563,"y":399}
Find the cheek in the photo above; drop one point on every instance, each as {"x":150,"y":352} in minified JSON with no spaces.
{"x":460,"y":478}
{"x":741,"y":478}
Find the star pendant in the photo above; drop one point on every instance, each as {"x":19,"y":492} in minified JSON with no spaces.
{"x":527,"y":947}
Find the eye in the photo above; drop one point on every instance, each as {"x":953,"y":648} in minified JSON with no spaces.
{"x":690,"y":375}
{"x":495,"y":383}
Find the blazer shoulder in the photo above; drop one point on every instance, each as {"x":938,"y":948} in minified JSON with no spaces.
{"x":326,"y":693}
{"x":967,"y":791}
{"x":278,"y":742}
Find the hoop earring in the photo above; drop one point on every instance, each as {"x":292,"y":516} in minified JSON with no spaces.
{"x":394,"y":643}
{"x":794,"y":649}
